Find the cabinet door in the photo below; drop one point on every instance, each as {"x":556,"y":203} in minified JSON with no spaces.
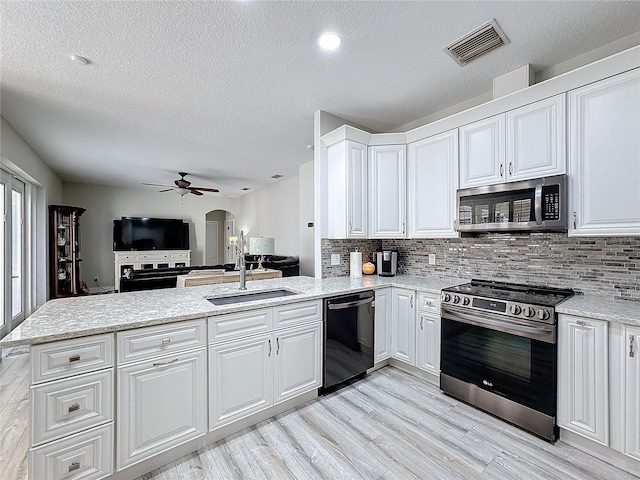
{"x":631,"y":414}
{"x":382,"y":328}
{"x":347,"y":190}
{"x":297,"y":361}
{"x":240,"y":379}
{"x":536,"y":139}
{"x":387,"y":191}
{"x":403,"y":333}
{"x":161,"y":404}
{"x":428,"y":343}
{"x":583,"y":388}
{"x":432,"y":180}
{"x":482,"y":152}
{"x":604,"y":156}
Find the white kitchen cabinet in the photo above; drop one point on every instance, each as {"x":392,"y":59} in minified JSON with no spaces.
{"x":604,"y":156}
{"x":432,"y":180}
{"x":583,"y":377}
{"x":297,"y":361}
{"x":482,"y":152}
{"x":347,"y":190}
{"x":403,"y":325}
{"x":629,"y":421}
{"x":387,"y":191}
{"x":161,"y":404}
{"x":240,"y":378}
{"x":428,"y":333}
{"x":536,"y":140}
{"x":382,"y":325}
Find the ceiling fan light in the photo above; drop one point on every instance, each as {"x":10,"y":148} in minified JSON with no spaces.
{"x":182,"y":191}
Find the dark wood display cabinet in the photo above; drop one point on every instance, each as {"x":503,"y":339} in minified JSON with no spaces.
{"x":64,"y":250}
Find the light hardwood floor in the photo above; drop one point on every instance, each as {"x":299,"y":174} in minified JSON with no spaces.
{"x":389,"y":425}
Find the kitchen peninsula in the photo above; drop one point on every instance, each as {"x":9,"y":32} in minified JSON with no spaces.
{"x":217,"y":369}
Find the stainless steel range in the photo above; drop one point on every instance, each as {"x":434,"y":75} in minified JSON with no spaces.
{"x":499,"y":351}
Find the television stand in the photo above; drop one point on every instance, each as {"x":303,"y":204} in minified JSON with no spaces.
{"x":148,"y":259}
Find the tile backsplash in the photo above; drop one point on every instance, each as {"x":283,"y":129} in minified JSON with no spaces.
{"x":602,"y":266}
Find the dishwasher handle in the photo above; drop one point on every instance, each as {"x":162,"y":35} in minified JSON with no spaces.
{"x":356,"y":303}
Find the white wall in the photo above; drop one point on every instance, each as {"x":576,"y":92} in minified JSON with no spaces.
{"x":306,"y":233}
{"x":20,"y":158}
{"x":105,"y":204}
{"x":273,"y":212}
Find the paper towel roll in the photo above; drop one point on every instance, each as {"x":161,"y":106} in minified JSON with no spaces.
{"x":355,"y":264}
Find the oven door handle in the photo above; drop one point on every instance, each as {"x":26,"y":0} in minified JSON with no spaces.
{"x":537,"y":333}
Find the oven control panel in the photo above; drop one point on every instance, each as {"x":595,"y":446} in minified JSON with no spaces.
{"x":511,"y":309}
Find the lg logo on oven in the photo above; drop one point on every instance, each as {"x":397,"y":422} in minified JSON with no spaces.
{"x":487,"y":383}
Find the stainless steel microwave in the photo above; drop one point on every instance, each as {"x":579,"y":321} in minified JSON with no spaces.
{"x":529,"y":205}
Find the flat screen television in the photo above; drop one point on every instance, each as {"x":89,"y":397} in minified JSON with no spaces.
{"x":138,"y":233}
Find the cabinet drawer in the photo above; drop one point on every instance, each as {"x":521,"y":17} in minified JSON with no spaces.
{"x":126,"y":257}
{"x":70,"y":405}
{"x":51,"y":361}
{"x":296,"y":313}
{"x":160,"y":340}
{"x":153,"y":256}
{"x":428,"y":302}
{"x":224,"y":327}
{"x":87,"y":455}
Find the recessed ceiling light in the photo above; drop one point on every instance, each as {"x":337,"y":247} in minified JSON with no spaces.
{"x":80,"y":61}
{"x":329,"y":41}
{"x":277,"y":175}
{"x":246,"y":188}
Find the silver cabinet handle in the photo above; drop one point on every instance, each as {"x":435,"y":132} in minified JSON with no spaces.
{"x":269,"y":354}
{"x":574,"y":220}
{"x":501,"y":170}
{"x":166,"y":341}
{"x":74,"y":466}
{"x":73,"y":408}
{"x":411,"y":301}
{"x":581,"y":323}
{"x":403,"y":228}
{"x":74,"y":358}
{"x":164,"y":364}
{"x":631,"y":353}
{"x":510,"y":168}
{"x":421,"y":321}
{"x":277,"y":345}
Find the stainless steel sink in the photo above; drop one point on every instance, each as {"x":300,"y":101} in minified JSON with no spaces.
{"x":250,"y":297}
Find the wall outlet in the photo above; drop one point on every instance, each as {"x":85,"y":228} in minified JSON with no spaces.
{"x":335,"y":259}
{"x":95,"y":279}
{"x":432,"y":259}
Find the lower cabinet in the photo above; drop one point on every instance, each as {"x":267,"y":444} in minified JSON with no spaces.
{"x":630,"y":377}
{"x":161,"y":404}
{"x":583,"y":390}
{"x":403,"y":321}
{"x":428,"y":334}
{"x":382,"y":326}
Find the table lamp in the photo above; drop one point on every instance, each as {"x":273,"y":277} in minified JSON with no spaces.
{"x":261,"y":246}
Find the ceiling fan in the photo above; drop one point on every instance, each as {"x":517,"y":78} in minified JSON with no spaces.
{"x":184,"y":186}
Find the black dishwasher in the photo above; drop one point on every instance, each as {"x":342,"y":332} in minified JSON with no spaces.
{"x":348,"y":337}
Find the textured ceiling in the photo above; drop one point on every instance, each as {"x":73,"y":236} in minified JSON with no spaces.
{"x":227,"y":90}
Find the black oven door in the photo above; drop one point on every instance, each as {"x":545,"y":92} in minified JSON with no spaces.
{"x":516,"y":361}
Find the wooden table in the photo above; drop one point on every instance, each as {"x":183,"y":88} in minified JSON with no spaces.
{"x":227,"y":277}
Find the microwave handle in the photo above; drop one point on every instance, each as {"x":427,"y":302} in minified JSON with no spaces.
{"x":538,"y":203}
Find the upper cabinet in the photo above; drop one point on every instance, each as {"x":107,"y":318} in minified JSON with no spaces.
{"x":536,"y":140}
{"x":387,"y":191}
{"x":347,"y":190}
{"x":432,"y":180}
{"x":521,"y":144}
{"x":604,"y":156}
{"x":482,"y":152}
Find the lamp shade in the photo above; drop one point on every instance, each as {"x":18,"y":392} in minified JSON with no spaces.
{"x":262,"y":246}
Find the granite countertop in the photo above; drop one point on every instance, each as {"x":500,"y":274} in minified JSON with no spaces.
{"x":602,"y":309}
{"x":82,"y":316}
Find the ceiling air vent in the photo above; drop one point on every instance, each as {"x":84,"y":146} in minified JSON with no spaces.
{"x":474,"y":44}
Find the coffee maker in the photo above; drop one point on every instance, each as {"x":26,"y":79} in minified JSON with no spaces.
{"x":387,"y":263}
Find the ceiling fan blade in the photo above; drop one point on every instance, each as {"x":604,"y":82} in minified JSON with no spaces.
{"x":196,"y":192}
{"x":204,"y":189}
{"x":157,"y":185}
{"x":167,"y":190}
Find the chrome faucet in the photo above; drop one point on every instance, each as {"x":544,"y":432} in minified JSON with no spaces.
{"x":241,"y":262}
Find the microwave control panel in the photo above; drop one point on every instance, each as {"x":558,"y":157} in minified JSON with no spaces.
{"x":551,"y":202}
